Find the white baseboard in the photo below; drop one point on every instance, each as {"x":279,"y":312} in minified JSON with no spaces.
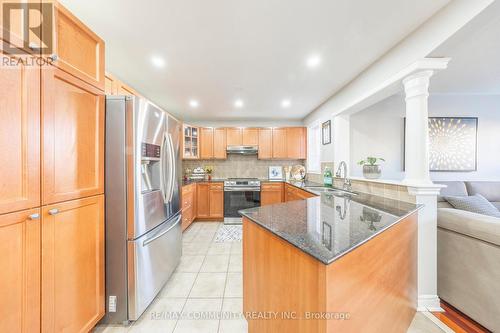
{"x":429,"y":303}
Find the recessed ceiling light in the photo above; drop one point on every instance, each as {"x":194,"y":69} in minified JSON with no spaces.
{"x":286,"y":103}
{"x":239,"y":103}
{"x":313,"y":61}
{"x":158,"y":61}
{"x":194,"y":103}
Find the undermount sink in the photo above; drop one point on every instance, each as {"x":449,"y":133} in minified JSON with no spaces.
{"x":334,"y":191}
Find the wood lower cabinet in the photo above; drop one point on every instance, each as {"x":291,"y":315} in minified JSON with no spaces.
{"x":296,"y":143}
{"x":265,"y":143}
{"x":79,"y":51}
{"x":20,"y":271}
{"x":293,"y":193}
{"x":188,"y":205}
{"x":279,"y":143}
{"x":19,"y":138}
{"x":271,"y":193}
{"x":216,"y":194}
{"x":72,"y":139}
{"x":73,"y":265}
{"x":202,"y":200}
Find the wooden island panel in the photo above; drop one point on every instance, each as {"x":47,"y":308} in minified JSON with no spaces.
{"x":375,"y":285}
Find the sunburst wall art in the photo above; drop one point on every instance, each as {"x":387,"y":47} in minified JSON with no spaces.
{"x":452,"y":144}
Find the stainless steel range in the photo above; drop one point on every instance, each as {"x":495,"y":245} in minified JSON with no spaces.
{"x":240,"y":193}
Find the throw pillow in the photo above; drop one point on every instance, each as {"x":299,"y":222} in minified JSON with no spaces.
{"x":476,"y":204}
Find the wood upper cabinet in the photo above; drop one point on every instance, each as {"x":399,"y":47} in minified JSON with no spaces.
{"x":216,"y":200}
{"x":19,"y":138}
{"x":73,"y":138}
{"x":73,"y":265}
{"x":206,"y":143}
{"x":190,"y":142}
{"x":279,"y":143}
{"x":20,"y":271}
{"x":296,"y":142}
{"x":220,"y":143}
{"x":202,"y":200}
{"x":79,"y":50}
{"x":124,"y":89}
{"x":250,"y":136}
{"x":265,"y":143}
{"x":234,"y":137}
{"x":109,"y":85}
{"x":271,"y":193}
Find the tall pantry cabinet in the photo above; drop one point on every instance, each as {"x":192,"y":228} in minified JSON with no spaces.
{"x":52,"y":186}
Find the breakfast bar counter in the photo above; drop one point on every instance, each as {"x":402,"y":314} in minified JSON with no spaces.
{"x":333,"y":263}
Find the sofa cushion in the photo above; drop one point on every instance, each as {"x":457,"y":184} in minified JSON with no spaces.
{"x":475,"y":203}
{"x":485,"y":228}
{"x":489,"y":190}
{"x":453,"y":188}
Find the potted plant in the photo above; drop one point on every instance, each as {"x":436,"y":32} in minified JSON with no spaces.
{"x":208,"y":171}
{"x":371,"y":170}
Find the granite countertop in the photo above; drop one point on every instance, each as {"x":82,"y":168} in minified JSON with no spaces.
{"x":192,"y":181}
{"x":332,"y":224}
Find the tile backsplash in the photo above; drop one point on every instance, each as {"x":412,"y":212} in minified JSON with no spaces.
{"x":243,"y":166}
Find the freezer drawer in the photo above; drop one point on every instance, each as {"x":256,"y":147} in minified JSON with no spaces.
{"x":151,"y":261}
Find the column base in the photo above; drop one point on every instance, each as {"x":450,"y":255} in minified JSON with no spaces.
{"x":429,"y":303}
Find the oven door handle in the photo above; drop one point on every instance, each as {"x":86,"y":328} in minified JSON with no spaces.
{"x":241,"y":189}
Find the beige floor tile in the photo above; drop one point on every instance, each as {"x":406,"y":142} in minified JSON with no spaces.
{"x":160,"y":317}
{"x":421,"y":324}
{"x":234,"y":285}
{"x":233,"y":304}
{"x":215,"y":264}
{"x":233,"y":326}
{"x":235,"y":263}
{"x":190,"y":264}
{"x":179,"y":285}
{"x":202,"y":309}
{"x":209,"y":285}
{"x":219,"y":248}
{"x":195,"y":248}
{"x":197,"y":326}
{"x":236,"y":247}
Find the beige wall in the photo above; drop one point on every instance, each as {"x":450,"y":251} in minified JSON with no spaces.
{"x":239,"y":166}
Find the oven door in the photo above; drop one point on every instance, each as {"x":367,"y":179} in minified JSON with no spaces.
{"x":236,"y":199}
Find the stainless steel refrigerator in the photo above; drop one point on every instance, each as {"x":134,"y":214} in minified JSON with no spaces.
{"x":143,"y":219}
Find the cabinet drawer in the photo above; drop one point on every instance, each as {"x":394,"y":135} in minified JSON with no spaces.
{"x":187,"y":200}
{"x":272,"y":187}
{"x":216,"y":187}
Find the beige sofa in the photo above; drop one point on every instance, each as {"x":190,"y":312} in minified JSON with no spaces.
{"x":469,"y":254}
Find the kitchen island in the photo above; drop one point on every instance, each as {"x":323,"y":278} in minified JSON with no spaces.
{"x":332,"y":263}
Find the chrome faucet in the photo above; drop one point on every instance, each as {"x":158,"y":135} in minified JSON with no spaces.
{"x":347,"y":182}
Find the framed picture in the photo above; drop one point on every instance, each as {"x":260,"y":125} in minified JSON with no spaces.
{"x":326,"y":132}
{"x":452,"y":144}
{"x":275,"y":172}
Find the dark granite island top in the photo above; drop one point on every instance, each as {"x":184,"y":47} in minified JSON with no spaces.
{"x":330,"y":225}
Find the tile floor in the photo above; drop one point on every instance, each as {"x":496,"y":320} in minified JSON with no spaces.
{"x":204,"y":295}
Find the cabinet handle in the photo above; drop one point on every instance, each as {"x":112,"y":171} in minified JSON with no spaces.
{"x":34,"y":216}
{"x":54,"y":57}
{"x":54,"y":211}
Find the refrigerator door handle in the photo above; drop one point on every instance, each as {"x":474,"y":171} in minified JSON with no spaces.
{"x":173,"y":170}
{"x":163,"y":186}
{"x":152,"y":239}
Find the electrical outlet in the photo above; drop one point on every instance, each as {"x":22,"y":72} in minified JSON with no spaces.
{"x":112,"y":304}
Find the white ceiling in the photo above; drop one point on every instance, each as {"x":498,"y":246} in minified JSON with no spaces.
{"x":218,"y":51}
{"x":475,"y":57}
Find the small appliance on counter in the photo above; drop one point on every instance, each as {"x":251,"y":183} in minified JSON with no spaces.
{"x":298,"y":172}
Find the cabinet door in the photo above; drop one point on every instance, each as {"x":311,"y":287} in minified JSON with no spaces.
{"x":123,"y":89}
{"x":296,"y":142}
{"x":79,"y":50}
{"x":19,"y":138}
{"x":110,"y":85}
{"x":216,"y":201}
{"x":206,"y":143}
{"x":73,"y":138}
{"x":220,"y":144}
{"x":20,"y":273}
{"x":250,"y":136}
{"x":202,"y":200}
{"x":279,"y":143}
{"x":271,"y":193}
{"x":265,"y":143}
{"x":234,"y":137}
{"x":73,"y":265}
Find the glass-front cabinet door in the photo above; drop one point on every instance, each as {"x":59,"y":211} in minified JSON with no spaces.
{"x":190,"y":142}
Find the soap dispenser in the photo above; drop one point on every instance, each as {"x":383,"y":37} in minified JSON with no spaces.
{"x":328,"y":177}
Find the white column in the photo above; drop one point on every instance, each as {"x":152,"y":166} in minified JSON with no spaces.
{"x":416,"y":128}
{"x":417,"y":177}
